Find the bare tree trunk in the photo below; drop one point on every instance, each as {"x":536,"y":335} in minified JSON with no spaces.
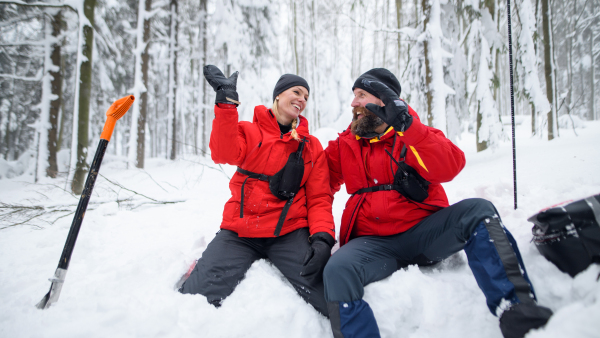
{"x":173,"y":79}
{"x":55,"y":105}
{"x":85,"y":88}
{"x":205,"y":112}
{"x":593,"y":25}
{"x":399,"y":25}
{"x":428,"y":74}
{"x":548,"y":67}
{"x":143,"y":101}
{"x":295,"y":37}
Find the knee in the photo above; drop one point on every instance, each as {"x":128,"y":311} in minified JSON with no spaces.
{"x":475,"y":211}
{"x":481,"y":207}
{"x":338,"y":268}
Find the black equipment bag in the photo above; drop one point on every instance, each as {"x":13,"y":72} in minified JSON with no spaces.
{"x":409,"y":183}
{"x":568,"y":235}
{"x":286,"y":182}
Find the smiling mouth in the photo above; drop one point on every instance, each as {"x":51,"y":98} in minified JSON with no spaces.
{"x":296,"y":106}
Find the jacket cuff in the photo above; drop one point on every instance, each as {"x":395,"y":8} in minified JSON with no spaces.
{"x":225,"y":105}
{"x":324,"y":237}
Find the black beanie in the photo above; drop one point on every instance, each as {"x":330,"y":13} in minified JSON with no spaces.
{"x":287,"y":81}
{"x":378,"y":74}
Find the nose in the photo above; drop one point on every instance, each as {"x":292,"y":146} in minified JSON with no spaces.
{"x":355,"y":103}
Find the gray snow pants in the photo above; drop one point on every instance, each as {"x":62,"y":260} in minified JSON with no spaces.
{"x":227,"y":258}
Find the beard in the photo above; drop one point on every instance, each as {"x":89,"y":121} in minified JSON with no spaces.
{"x":365,"y":127}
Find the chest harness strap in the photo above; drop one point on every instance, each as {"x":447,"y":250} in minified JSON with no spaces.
{"x":285,"y":184}
{"x":407,"y":180}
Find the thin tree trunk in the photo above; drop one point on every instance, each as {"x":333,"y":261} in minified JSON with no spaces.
{"x":55,"y":105}
{"x":205,"y":112}
{"x":85,"y":88}
{"x":592,"y":104}
{"x":548,"y":66}
{"x":428,"y":74}
{"x":143,"y":101}
{"x":173,"y":79}
{"x":399,"y":25}
{"x":295,"y":37}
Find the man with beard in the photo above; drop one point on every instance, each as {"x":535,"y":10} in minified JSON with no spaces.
{"x":398,"y":214}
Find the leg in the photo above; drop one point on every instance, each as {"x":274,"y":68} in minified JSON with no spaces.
{"x":222,"y":266}
{"x":287,"y":254}
{"x":493,"y":257}
{"x":360,"y":262}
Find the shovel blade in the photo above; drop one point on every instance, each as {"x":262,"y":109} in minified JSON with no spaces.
{"x":52,"y":296}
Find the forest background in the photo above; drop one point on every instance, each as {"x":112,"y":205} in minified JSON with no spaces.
{"x":62,"y":64}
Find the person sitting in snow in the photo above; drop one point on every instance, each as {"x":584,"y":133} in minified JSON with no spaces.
{"x":280,"y":205}
{"x":398,"y":214}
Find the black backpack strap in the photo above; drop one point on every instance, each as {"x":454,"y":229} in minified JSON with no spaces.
{"x":286,"y":207}
{"x":250,"y":174}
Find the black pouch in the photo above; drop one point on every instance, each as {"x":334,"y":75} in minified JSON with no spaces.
{"x":286,"y":182}
{"x":407,"y":180}
{"x":569,"y":235}
{"x":410,"y":184}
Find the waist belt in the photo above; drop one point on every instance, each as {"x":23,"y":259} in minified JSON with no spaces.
{"x":263,"y":177}
{"x":382,"y":187}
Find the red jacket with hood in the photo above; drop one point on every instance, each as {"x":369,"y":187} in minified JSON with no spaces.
{"x":260,"y":147}
{"x":362,"y":163}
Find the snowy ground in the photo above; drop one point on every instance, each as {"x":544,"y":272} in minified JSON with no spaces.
{"x":129,"y":254}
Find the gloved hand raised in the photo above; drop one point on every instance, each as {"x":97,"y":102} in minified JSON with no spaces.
{"x":395,"y":112}
{"x":317,"y":256}
{"x":225,"y":87}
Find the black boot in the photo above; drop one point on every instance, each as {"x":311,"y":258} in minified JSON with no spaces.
{"x":522,"y":317}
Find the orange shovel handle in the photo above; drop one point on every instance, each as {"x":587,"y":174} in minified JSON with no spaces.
{"x":115,"y":112}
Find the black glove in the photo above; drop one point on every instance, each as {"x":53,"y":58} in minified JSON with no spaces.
{"x":225,"y":87}
{"x":317,"y":256}
{"x":395,"y":112}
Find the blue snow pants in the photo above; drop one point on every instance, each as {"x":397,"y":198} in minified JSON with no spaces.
{"x":472,"y":225}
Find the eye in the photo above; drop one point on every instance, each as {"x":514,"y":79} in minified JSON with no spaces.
{"x":297,"y":92}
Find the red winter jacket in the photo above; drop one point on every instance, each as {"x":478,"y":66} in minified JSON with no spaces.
{"x":260,"y":147}
{"x":362,"y":163}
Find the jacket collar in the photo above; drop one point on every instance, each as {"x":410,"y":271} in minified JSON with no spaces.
{"x":266,"y":120}
{"x":386,"y":134}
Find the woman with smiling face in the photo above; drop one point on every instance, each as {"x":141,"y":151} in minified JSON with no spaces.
{"x":280,"y":205}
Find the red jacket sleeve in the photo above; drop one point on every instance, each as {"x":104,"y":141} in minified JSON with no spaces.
{"x":227,"y":139}
{"x":335,"y":168}
{"x":433,"y":155}
{"x":318,"y":195}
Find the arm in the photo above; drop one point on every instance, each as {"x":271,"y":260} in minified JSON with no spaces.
{"x":335,"y":167}
{"x":318,"y":195}
{"x":433,"y":155}
{"x":227,"y":139}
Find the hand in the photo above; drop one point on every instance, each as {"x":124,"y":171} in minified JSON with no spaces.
{"x":317,"y":256}
{"x":395,"y":112}
{"x":225,"y":87}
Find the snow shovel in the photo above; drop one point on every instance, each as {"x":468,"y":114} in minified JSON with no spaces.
{"x":115,"y":112}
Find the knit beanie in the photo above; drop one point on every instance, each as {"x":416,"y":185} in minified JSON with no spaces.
{"x":287,"y":81}
{"x":378,"y":74}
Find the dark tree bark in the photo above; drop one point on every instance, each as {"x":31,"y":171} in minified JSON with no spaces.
{"x":548,"y":66}
{"x":141,"y":127}
{"x":174,"y":70}
{"x":428,"y":75}
{"x":55,"y":105}
{"x":85,"y":88}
